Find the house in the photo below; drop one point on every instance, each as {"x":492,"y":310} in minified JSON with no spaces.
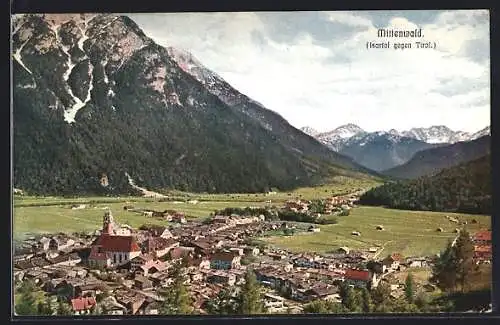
{"x":110,"y":249}
{"x":58,"y":243}
{"x":43,"y":243}
{"x":142,"y":283}
{"x":225,"y":261}
{"x":130,"y":299}
{"x":149,"y":307}
{"x":272,"y":302}
{"x":160,"y":279}
{"x":322,"y":291}
{"x":392,"y":262}
{"x":201,"y":246}
{"x":111,"y":307}
{"x":66,"y":259}
{"x":147,"y":264}
{"x":179,"y":252}
{"x":237,"y":250}
{"x":482,"y":254}
{"x":416,"y":262}
{"x":199,"y":263}
{"x":179,"y":217}
{"x":222,"y":278}
{"x":221,"y":220}
{"x":166,"y":234}
{"x":358,"y":278}
{"x":254,"y":251}
{"x":90,"y":288}
{"x":83,"y":305}
{"x":482,"y":238}
{"x":196,"y":276}
{"x":161,"y":246}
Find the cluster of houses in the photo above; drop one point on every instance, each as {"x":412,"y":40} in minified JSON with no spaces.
{"x":128,"y":266}
{"x":167,"y":215}
{"x":331,"y":204}
{"x":482,"y":246}
{"x":123,"y":269}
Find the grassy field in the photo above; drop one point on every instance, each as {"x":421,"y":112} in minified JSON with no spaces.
{"x":339,"y":186}
{"x":54,"y":214}
{"x":410,"y":233}
{"x":61,"y":218}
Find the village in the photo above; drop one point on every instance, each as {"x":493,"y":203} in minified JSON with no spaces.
{"x":121,"y":269}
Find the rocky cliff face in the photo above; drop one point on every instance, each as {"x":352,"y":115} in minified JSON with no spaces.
{"x":93,"y":95}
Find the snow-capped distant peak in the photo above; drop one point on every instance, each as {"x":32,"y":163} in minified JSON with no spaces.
{"x":309,"y":130}
{"x":348,"y":130}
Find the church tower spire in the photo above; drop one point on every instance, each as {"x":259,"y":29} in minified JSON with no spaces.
{"x":107,"y":224}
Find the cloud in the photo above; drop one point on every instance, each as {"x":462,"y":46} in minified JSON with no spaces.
{"x":314,"y":69}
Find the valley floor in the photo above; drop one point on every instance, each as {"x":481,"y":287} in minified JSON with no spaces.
{"x":411,"y":233}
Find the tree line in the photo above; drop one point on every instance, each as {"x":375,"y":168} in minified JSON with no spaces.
{"x":465,"y":188}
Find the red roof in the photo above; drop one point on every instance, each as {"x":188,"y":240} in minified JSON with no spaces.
{"x":483,"y":236}
{"x":84,"y":303}
{"x":117,"y":243}
{"x":482,"y":249}
{"x":357,"y":275}
{"x":396,"y":257}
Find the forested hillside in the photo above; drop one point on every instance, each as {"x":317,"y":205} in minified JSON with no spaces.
{"x":465,"y":188}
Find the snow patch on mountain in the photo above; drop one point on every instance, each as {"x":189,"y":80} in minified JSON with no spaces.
{"x":84,"y":37}
{"x":310,"y":131}
{"x":18,"y":58}
{"x":481,"y":133}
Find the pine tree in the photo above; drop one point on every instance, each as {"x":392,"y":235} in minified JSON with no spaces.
{"x":45,"y":308}
{"x":381,"y":293}
{"x":176,"y":299}
{"x":444,"y":270}
{"x":316,"y":307}
{"x":26,"y":304}
{"x":409,"y":288}
{"x":63,"y":309}
{"x":464,"y":253}
{"x":250,"y":297}
{"x":367,"y":300}
{"x":225,"y":303}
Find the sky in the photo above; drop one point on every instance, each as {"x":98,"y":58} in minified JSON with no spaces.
{"x":315,"y":70}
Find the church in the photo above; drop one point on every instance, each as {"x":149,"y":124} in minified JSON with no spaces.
{"x":113,"y":247}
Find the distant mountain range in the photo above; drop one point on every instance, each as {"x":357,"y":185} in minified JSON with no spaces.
{"x":383,"y":150}
{"x":431,"y":161}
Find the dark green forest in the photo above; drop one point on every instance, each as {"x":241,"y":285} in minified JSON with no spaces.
{"x":465,"y":188}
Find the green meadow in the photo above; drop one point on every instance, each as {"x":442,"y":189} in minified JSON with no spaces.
{"x":411,"y":233}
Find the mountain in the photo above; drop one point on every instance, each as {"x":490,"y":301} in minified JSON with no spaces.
{"x":437,"y":134}
{"x":464,"y":188}
{"x":381,"y":150}
{"x":481,"y":133}
{"x":309,"y":131}
{"x":337,"y":138}
{"x":432,"y":160}
{"x":384,"y":150}
{"x":284,"y":133}
{"x":95,"y":100}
